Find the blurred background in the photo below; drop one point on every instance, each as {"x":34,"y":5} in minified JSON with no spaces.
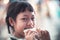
{"x":47,"y":16}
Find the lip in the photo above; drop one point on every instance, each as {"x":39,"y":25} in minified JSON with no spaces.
{"x":32,"y":29}
{"x":27,"y":28}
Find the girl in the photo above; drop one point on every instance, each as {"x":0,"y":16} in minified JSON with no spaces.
{"x":20,"y":16}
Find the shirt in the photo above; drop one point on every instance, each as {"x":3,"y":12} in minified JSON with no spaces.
{"x":12,"y":37}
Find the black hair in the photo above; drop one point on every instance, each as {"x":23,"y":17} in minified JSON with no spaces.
{"x":15,"y":8}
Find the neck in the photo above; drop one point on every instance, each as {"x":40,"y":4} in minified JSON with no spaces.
{"x":18,"y":35}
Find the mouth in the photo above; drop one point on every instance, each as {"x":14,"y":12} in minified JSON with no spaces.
{"x":32,"y":29}
{"x":27,"y":28}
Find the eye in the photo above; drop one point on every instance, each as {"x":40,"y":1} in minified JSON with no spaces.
{"x":24,"y":19}
{"x":32,"y":19}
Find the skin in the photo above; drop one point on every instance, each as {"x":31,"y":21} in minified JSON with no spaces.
{"x":25,"y":20}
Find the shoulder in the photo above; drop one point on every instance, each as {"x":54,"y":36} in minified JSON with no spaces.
{"x":11,"y":37}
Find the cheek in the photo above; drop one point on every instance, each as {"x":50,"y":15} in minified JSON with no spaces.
{"x":19,"y":26}
{"x":33,"y":24}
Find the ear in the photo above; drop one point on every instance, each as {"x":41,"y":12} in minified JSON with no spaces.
{"x":11,"y":21}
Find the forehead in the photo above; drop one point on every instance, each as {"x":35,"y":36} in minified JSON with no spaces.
{"x":26,"y":13}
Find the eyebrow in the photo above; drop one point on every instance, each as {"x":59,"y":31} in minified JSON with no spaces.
{"x":27,"y":15}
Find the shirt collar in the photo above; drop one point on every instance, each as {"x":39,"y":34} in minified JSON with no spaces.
{"x":13,"y":37}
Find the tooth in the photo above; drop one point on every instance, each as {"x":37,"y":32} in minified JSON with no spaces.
{"x":32,"y":29}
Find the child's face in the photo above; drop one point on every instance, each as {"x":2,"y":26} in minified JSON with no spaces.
{"x":24,"y":20}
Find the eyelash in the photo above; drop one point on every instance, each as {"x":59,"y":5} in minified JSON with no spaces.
{"x":25,"y":19}
{"x":32,"y":19}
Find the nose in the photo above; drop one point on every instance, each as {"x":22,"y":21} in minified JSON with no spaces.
{"x":30,"y":24}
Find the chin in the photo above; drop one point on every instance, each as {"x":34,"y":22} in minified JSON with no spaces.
{"x":22,"y":35}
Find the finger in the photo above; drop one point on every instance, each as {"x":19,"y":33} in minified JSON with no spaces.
{"x":43,"y":37}
{"x":33,"y":34}
{"x":30,"y":32}
{"x":26,"y":32}
{"x":41,"y":34}
{"x":47,"y":35}
{"x":38,"y":30}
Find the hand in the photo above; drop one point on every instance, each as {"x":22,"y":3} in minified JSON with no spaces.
{"x":30,"y":35}
{"x":43,"y":35}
